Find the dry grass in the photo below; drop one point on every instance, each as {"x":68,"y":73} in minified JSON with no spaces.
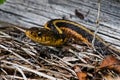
{"x":20,"y":58}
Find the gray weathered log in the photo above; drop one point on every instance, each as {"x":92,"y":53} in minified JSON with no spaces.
{"x":29,"y":13}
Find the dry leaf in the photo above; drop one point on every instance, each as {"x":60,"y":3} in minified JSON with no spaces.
{"x":111,"y":62}
{"x":81,"y":75}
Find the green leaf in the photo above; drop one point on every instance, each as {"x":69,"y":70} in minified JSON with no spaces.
{"x":2,"y":1}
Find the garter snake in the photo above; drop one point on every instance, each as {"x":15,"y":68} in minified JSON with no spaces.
{"x":73,"y":29}
{"x":56,"y":32}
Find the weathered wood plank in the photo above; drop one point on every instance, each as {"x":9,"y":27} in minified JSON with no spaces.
{"x":31,"y":13}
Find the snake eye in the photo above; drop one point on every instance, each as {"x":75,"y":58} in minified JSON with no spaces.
{"x":31,"y":32}
{"x":39,"y":33}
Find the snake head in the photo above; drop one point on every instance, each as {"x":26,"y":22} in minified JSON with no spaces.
{"x":45,"y":36}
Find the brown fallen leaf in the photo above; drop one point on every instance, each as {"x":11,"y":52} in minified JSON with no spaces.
{"x":81,"y":75}
{"x":110,"y":62}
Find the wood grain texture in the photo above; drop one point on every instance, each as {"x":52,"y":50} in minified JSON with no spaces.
{"x":29,"y":13}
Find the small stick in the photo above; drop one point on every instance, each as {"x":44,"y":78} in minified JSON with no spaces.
{"x":19,"y":28}
{"x":97,"y":24}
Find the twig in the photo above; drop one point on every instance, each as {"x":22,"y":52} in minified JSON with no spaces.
{"x":16,"y":54}
{"x":77,"y":56}
{"x":5,"y":35}
{"x":65,"y":62}
{"x":22,"y":73}
{"x":91,"y":54}
{"x":97,"y":25}
{"x":58,"y":65}
{"x":31,"y":70}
